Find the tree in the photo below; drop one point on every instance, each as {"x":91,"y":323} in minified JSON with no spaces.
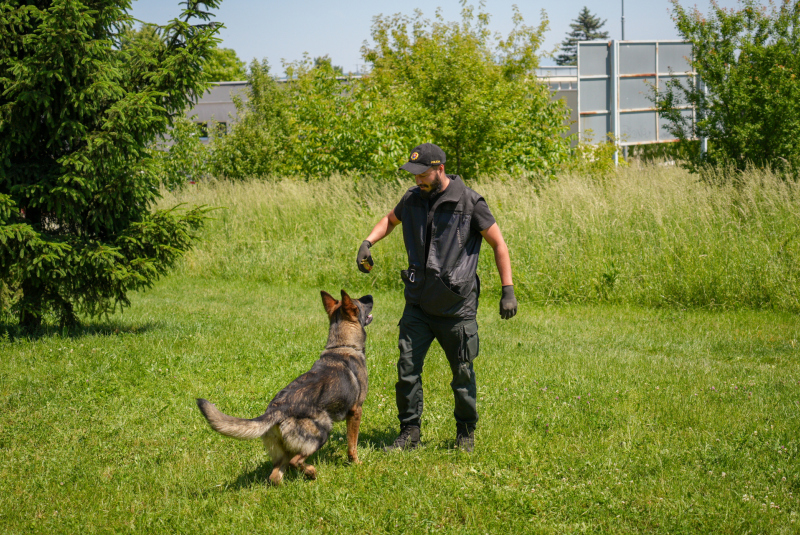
{"x":585,"y":28}
{"x":476,"y":98}
{"x":78,"y":111}
{"x":321,"y":61}
{"x":147,"y":33}
{"x":223,"y":65}
{"x":749,"y":61}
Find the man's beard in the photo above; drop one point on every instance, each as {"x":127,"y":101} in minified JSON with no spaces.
{"x":436,"y":187}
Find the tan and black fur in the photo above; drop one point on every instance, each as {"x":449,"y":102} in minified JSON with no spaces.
{"x":299,"y":419}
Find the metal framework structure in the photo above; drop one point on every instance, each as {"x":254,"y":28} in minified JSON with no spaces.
{"x":616,"y":80}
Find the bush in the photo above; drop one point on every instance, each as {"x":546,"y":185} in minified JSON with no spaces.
{"x":446,"y":83}
{"x":749,"y":60}
{"x":186,"y":157}
{"x":258,"y":141}
{"x":346,"y":126}
{"x":594,"y":159}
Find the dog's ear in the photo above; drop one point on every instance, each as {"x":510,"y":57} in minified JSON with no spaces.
{"x":329,"y":302}
{"x":350,"y":309}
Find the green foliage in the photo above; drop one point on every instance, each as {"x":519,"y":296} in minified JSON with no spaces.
{"x":79,"y":104}
{"x":432,"y":81}
{"x":185,"y":158}
{"x":349,"y":127}
{"x":325,"y":60}
{"x":146,"y":35}
{"x":749,"y":60}
{"x":257,"y":142}
{"x":8,"y":298}
{"x":586,"y":27}
{"x":595,"y":159}
{"x":664,"y":152}
{"x":223,"y":65}
{"x":476,"y":100}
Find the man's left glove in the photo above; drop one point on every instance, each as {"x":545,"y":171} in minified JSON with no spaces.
{"x":508,"y":303}
{"x":364,"y":258}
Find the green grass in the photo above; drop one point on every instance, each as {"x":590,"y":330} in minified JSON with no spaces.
{"x":604,"y":418}
{"x":649,"y":236}
{"x":649,"y":383}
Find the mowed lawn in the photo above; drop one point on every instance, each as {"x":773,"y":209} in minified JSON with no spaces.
{"x":605,"y":419}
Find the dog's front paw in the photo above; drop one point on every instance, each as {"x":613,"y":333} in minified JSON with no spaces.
{"x":354,"y":458}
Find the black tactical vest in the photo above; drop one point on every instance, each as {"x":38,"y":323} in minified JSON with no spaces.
{"x":448,"y":284}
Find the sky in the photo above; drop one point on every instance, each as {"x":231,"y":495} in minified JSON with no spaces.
{"x":276,"y":31}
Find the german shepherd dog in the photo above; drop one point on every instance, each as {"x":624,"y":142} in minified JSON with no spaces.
{"x":298,"y":420}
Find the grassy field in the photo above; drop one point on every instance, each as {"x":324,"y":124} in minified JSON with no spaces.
{"x":605,"y":419}
{"x":598,"y":414}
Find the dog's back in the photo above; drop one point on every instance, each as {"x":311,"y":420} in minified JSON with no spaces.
{"x":299,"y":419}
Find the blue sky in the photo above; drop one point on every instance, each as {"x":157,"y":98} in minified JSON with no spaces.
{"x":285,"y":30}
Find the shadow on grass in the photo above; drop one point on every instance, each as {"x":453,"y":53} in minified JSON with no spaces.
{"x":333,"y":452}
{"x":12,"y":331}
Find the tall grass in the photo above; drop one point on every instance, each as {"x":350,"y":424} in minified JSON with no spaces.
{"x":651,"y":236}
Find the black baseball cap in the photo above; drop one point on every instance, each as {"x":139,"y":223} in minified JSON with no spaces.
{"x":422,"y":157}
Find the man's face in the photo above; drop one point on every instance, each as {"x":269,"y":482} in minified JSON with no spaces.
{"x":429,"y":182}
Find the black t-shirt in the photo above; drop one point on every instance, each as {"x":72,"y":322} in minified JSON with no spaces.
{"x":481,"y":220}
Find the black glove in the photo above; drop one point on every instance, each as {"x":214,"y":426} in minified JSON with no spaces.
{"x":364,"y":258}
{"x":508,"y":303}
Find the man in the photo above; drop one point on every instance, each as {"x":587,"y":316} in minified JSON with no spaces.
{"x":444,"y":223}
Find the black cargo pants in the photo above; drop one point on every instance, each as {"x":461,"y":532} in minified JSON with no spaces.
{"x":459,"y":340}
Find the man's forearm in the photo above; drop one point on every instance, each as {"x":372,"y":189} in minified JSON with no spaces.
{"x":503,"y":261}
{"x":381,"y":230}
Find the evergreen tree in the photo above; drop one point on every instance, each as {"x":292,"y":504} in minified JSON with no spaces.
{"x":80,"y":102}
{"x":585,"y":28}
{"x":146,"y":32}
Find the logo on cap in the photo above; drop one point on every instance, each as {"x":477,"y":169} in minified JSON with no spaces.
{"x":414,"y":156}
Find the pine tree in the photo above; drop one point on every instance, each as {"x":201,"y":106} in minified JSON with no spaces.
{"x":585,"y":28}
{"x":80,"y":103}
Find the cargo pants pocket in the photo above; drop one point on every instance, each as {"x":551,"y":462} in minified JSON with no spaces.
{"x":469,"y":346}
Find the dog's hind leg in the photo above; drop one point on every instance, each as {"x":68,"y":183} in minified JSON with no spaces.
{"x":280,"y":458}
{"x":279,"y":466}
{"x":298,"y":462}
{"x":353,"y":424}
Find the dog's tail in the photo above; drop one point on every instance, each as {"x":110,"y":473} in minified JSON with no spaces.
{"x":236,"y":427}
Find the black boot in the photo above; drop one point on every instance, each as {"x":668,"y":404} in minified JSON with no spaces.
{"x":407,"y":440}
{"x":465,"y":438}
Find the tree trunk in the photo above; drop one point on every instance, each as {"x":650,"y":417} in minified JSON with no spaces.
{"x":30,"y":315}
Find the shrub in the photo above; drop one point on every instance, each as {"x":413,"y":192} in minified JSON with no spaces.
{"x":594,"y":159}
{"x":257,"y":143}
{"x":185,"y":159}
{"x":346,"y":126}
{"x":447,"y":83}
